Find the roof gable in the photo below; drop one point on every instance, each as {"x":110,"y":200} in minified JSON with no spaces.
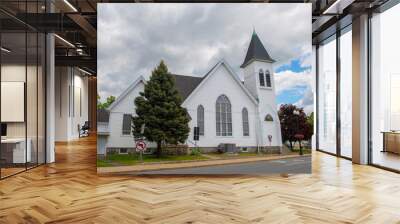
{"x":231,"y":72}
{"x":187,"y":84}
{"x":256,"y":51}
{"x":126,"y":92}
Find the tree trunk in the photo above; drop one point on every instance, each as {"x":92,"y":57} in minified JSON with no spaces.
{"x":291,"y":145}
{"x":301,"y":149}
{"x":158,"y":149}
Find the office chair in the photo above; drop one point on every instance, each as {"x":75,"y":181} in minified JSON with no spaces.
{"x":84,"y":130}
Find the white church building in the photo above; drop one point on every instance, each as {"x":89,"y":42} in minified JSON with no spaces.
{"x":226,"y":109}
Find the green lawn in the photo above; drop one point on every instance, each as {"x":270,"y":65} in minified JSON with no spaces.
{"x":129,"y":159}
{"x":116,"y":159}
{"x":102,"y":163}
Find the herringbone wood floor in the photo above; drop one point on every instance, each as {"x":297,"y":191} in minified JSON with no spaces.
{"x":70,"y":191}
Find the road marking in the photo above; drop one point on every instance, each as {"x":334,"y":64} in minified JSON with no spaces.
{"x":279,"y":161}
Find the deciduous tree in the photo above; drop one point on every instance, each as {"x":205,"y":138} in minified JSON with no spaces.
{"x":294,"y":122}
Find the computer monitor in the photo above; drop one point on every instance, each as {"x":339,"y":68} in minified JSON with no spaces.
{"x":3,"y":129}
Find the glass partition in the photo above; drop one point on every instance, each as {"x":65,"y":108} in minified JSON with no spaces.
{"x":385,"y":89}
{"x":22,"y":77}
{"x":327,"y":96}
{"x":346,"y":93}
{"x":13,"y":94}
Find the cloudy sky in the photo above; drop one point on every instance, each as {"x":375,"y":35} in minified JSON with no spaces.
{"x":190,"y":38}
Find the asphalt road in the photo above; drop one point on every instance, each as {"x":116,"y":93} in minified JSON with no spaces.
{"x":281,"y":166}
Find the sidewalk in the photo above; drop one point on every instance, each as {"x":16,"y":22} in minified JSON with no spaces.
{"x":189,"y":164}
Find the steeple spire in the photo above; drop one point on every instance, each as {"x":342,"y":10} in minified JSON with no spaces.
{"x":256,"y":51}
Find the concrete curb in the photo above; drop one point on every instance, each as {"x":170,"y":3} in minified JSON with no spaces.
{"x":188,"y":164}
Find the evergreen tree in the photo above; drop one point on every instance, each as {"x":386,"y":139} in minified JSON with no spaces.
{"x":159,"y":108}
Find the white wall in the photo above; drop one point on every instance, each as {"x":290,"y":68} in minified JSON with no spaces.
{"x":267,"y":101}
{"x":206,"y":94}
{"x":101,"y":144}
{"x":69,"y":84}
{"x":79,"y":117}
{"x":62,"y":81}
{"x":125,"y":106}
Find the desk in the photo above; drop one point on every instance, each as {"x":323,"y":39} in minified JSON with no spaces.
{"x":13,"y":150}
{"x":391,"y":142}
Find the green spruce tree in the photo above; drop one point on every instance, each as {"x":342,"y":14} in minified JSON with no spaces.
{"x":159,"y":108}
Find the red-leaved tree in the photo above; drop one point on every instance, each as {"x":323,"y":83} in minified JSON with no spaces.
{"x":294,"y":124}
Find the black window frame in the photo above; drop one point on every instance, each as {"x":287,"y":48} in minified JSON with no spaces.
{"x":261,"y":79}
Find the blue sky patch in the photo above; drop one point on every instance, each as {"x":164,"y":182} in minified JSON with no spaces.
{"x":295,"y":66}
{"x":291,"y":95}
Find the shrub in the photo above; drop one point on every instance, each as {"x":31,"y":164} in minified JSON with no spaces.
{"x":195,"y":151}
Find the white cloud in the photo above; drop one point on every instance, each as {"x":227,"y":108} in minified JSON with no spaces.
{"x":302,"y":82}
{"x":289,"y":80}
{"x":307,"y":102}
{"x":133,"y":38}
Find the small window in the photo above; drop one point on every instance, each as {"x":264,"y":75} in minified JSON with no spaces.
{"x":123,"y":151}
{"x":127,"y":124}
{"x":269,"y":118}
{"x":268,"y":78}
{"x":200,"y":119}
{"x":245,"y":120}
{"x":261,"y":77}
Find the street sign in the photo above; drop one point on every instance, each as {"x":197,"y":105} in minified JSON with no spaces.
{"x":140,"y":146}
{"x":196,"y":134}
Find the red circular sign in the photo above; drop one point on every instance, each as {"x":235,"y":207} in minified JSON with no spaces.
{"x":140,"y":146}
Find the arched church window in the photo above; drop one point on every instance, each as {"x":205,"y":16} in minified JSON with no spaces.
{"x":223,"y":114}
{"x":269,"y":118}
{"x":268,"y":78}
{"x":200,"y":119}
{"x":261,"y":77}
{"x":245,"y":122}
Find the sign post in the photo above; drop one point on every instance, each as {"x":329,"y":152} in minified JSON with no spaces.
{"x":140,"y":147}
{"x":140,"y":144}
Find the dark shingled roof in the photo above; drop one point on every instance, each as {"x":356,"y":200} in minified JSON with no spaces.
{"x":256,"y":51}
{"x":186,"y":84}
{"x":103,"y":115}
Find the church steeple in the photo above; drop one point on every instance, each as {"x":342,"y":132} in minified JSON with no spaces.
{"x":256,"y":51}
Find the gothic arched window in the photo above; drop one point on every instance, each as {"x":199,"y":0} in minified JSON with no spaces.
{"x":261,"y":77}
{"x":200,"y":119}
{"x":268,"y":78}
{"x":245,"y":122}
{"x":223,"y":115}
